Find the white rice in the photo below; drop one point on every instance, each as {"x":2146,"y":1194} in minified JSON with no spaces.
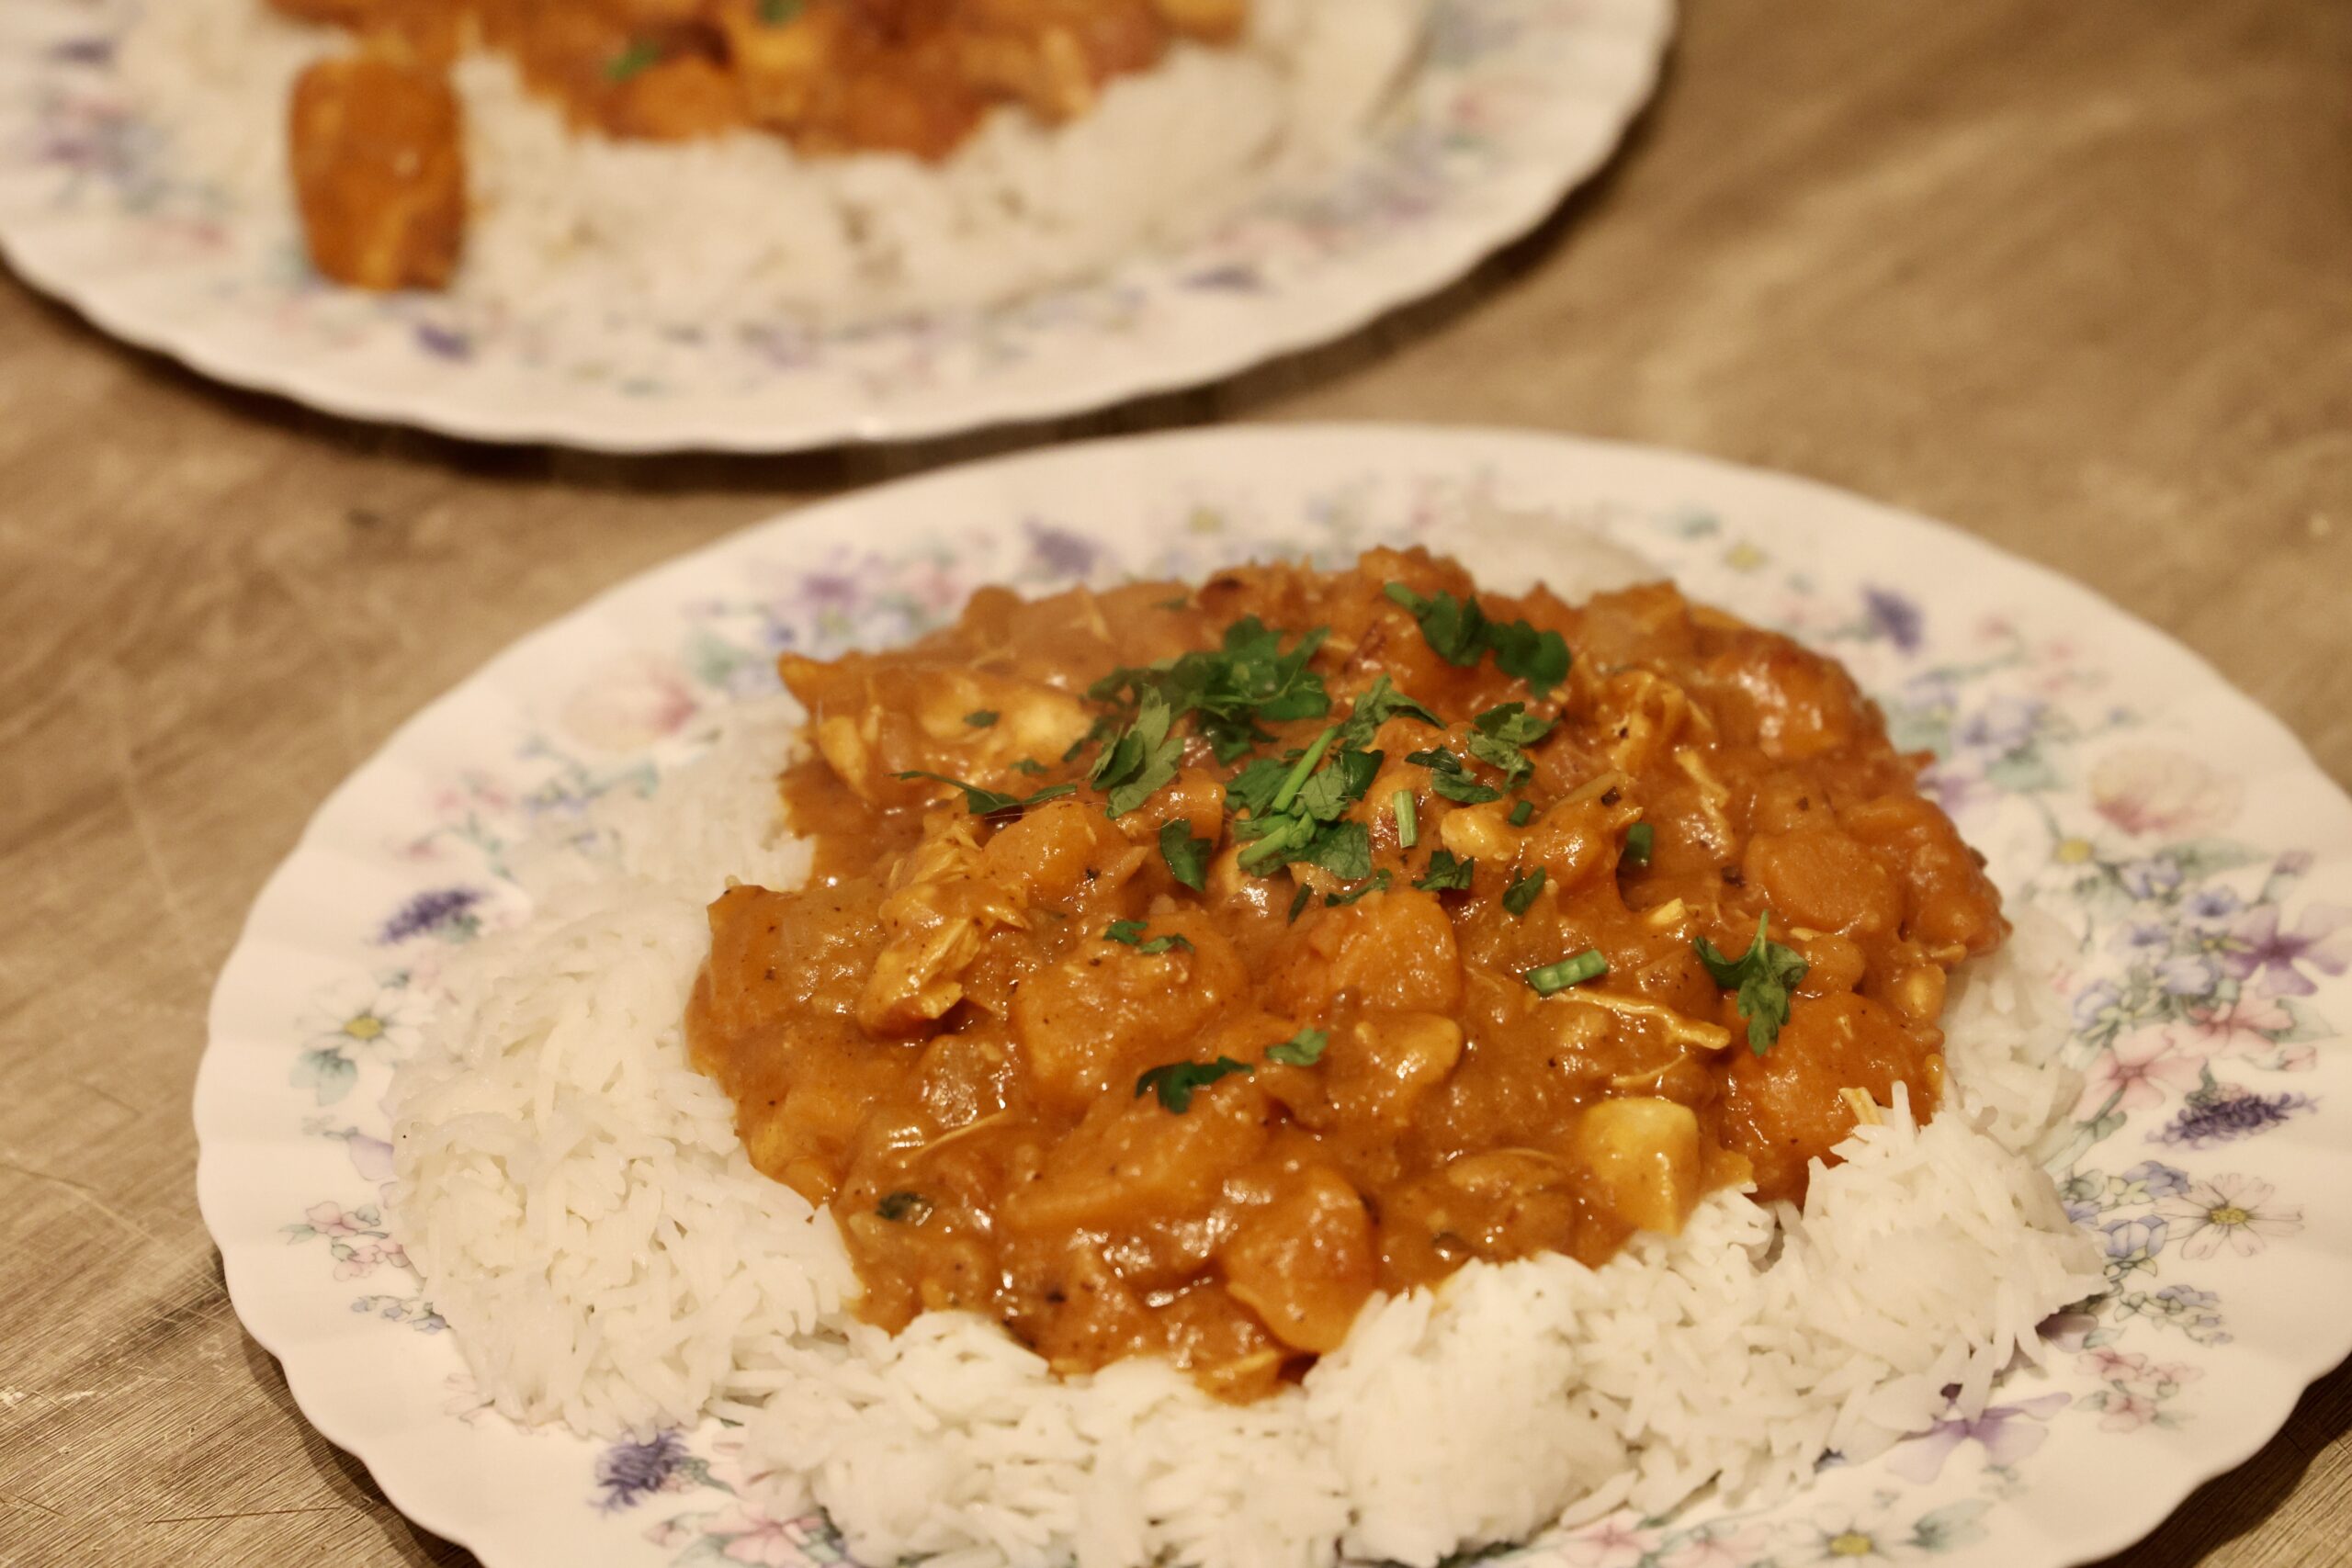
{"x":588,"y":1225}
{"x":740,"y":230}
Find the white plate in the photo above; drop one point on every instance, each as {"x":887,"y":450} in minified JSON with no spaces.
{"x":1515,"y":102}
{"x":2182,"y":831}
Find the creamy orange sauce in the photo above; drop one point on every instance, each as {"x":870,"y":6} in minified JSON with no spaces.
{"x":937,"y":1038}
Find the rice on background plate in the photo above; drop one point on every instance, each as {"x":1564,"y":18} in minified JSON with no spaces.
{"x":2200,"y":868}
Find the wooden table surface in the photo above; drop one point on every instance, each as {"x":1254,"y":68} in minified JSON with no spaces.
{"x":2076,"y":274}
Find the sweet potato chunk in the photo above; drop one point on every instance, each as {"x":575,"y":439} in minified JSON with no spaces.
{"x":379,"y":175}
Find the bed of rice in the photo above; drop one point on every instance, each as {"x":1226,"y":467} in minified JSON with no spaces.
{"x":586,"y":1220}
{"x":740,"y":230}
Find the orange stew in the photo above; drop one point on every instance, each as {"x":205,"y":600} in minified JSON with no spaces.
{"x":1310,"y":934}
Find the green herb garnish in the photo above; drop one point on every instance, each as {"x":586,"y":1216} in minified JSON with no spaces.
{"x":1639,"y":839}
{"x":980,"y":718}
{"x":1376,"y":707}
{"x":904,"y":1208}
{"x":776,"y":13}
{"x":1458,"y":631}
{"x":1187,"y":857}
{"x":1585,"y":965}
{"x":1301,"y":1049}
{"x":1175,"y":1082}
{"x":1763,"y":977}
{"x":1519,"y":897}
{"x":1448,"y":777}
{"x":1522,"y":812}
{"x":1447,"y":874}
{"x":989,"y":802}
{"x":1140,"y":762}
{"x":1131,"y":932}
{"x":1230,"y":692}
{"x":1498,"y":734}
{"x":1299,"y":901}
{"x":1409,"y":826}
{"x":634,"y":61}
{"x":1379,"y":884}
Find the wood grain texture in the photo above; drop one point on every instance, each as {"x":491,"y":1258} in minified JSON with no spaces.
{"x":2070,"y":274}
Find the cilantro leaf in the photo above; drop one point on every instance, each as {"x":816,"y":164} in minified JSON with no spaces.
{"x":634,"y":61}
{"x":1131,"y":932}
{"x":775,"y":14}
{"x":1379,"y":884}
{"x":1187,"y":857}
{"x":1763,"y":977}
{"x":1175,"y":1082}
{"x":1331,"y":792}
{"x":1463,"y":790}
{"x":1298,"y":902}
{"x":989,"y":802}
{"x":1458,"y":631}
{"x":1376,"y":707}
{"x":1301,"y":1049}
{"x":1519,"y":897}
{"x":1447,"y":874}
{"x":1437,"y":759}
{"x":1252,"y":789}
{"x":1343,"y":849}
{"x":980,"y":718}
{"x":1228,"y":693}
{"x":1140,"y":762}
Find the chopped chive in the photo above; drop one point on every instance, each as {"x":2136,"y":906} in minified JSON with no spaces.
{"x":1295,"y":780}
{"x":1554,"y":977}
{"x":1519,"y":897}
{"x":1299,"y":902}
{"x":1408,"y":829}
{"x":1522,"y":812}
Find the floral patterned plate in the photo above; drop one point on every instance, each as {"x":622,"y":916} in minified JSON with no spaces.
{"x":1514,"y":102}
{"x":2204,"y":863}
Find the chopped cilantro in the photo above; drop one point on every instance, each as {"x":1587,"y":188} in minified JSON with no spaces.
{"x":1301,"y":1049}
{"x":1029,"y":765}
{"x":1464,"y":790}
{"x":1763,"y":977}
{"x":989,"y":802}
{"x":1229,"y":692}
{"x":1131,"y":932}
{"x":1252,"y":789}
{"x":1376,"y":707}
{"x":1102,"y":729}
{"x":1519,"y":897}
{"x":1639,"y":839}
{"x":1409,"y":826}
{"x":1344,"y":850}
{"x":1182,"y":601}
{"x":776,"y":13}
{"x":1585,"y":965}
{"x":1338,"y":786}
{"x":634,"y":61}
{"x":1436,"y":760}
{"x":1299,"y":900}
{"x":980,"y":718}
{"x":1447,"y":874}
{"x":1500,"y":732}
{"x":1300,"y":770}
{"x":904,"y":1208}
{"x":1522,"y":812}
{"x":1175,"y":1082}
{"x":1187,"y":857}
{"x":1142,"y":762}
{"x":1458,"y":631}
{"x":1378,"y":883}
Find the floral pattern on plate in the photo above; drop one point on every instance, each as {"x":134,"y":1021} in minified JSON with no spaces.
{"x":2204,"y":868}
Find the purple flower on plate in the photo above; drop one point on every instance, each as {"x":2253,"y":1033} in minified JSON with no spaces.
{"x":2189,"y":976}
{"x":2294,"y":863}
{"x":2151,"y":1181}
{"x":1061,"y":552}
{"x":2211,"y":906}
{"x":2008,"y":1432}
{"x":2227,"y":1112}
{"x":2141,"y":938}
{"x":443,"y":342}
{"x":2005,"y":724}
{"x":2320,"y":940}
{"x":83,"y":51}
{"x":2150,"y":878}
{"x":2133,"y":1244}
{"x":2099,"y":1006}
{"x":441,"y":911}
{"x":1895,"y":617}
{"x":627,"y":1472}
